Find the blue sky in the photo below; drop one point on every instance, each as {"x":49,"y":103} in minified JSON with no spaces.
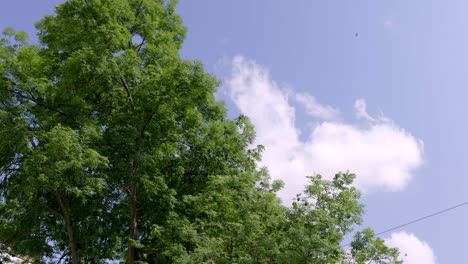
{"x":304,"y":76}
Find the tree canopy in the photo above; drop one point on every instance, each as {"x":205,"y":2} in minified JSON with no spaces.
{"x":115,"y":149}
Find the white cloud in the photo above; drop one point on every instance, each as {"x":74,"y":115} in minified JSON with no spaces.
{"x":315,"y":109}
{"x":412,"y":250}
{"x":361,"y":110}
{"x":382,"y":154}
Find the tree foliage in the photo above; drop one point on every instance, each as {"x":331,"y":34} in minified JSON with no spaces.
{"x":114,"y":148}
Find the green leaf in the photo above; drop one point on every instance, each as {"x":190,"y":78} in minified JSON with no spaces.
{"x":8,"y":32}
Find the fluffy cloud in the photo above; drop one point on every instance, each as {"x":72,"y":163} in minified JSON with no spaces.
{"x":315,"y":109}
{"x":412,"y":250}
{"x":382,"y":154}
{"x":361,"y":110}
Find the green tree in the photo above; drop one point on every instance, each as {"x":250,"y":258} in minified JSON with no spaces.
{"x":116,"y":149}
{"x":113,"y":67}
{"x":366,"y":248}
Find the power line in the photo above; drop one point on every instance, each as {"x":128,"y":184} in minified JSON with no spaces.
{"x":417,"y":220}
{"x":422,"y":218}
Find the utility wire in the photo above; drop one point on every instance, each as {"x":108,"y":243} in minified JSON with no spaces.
{"x":422,"y":218}
{"x":417,"y":220}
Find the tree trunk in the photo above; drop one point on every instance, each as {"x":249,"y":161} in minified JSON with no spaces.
{"x":133,"y":223}
{"x":65,"y":206}
{"x":75,"y":258}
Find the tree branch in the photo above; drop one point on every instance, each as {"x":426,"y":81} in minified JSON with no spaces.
{"x":34,"y":100}
{"x":141,"y":44}
{"x":148,"y":121}
{"x":125,"y":85}
{"x":129,"y":94}
{"x":65,"y":253}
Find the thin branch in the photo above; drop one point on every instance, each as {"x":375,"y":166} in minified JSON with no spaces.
{"x":34,"y":100}
{"x":139,"y":10}
{"x":141,"y":44}
{"x":148,"y":121}
{"x":125,"y":85}
{"x":63,"y":256}
{"x":129,"y":94}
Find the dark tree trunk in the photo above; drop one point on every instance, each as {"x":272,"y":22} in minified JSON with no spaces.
{"x":132,"y":202}
{"x":133,"y":223}
{"x":65,"y":207}
{"x":75,"y":257}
